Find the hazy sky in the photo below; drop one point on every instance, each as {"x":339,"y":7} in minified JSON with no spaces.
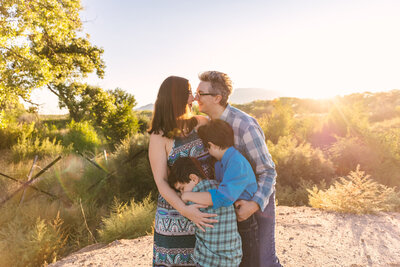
{"x":300,"y":48}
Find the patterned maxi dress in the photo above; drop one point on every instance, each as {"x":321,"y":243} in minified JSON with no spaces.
{"x":174,"y":238}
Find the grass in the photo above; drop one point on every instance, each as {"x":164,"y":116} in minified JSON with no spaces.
{"x":128,"y":220}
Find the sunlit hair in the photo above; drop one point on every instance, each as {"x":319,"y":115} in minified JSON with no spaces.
{"x":172,"y":116}
{"x":182,"y":169}
{"x":220,"y":82}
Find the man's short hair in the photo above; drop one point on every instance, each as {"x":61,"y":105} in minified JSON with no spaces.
{"x":181,"y":170}
{"x":218,"y":132}
{"x":220,"y":83}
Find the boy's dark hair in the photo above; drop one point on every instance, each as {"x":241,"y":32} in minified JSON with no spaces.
{"x":181,"y":170}
{"x":218,"y":132}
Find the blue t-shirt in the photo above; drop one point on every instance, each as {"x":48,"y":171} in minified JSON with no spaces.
{"x":236,"y":179}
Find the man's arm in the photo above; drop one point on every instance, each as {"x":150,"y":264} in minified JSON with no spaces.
{"x":255,"y":149}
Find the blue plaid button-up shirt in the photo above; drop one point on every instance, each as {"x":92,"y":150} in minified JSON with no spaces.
{"x":250,"y":141}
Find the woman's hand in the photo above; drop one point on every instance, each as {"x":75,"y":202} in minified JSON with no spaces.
{"x":183,"y":197}
{"x":199,"y":218}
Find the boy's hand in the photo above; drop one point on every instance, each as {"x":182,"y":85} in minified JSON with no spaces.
{"x":244,"y":209}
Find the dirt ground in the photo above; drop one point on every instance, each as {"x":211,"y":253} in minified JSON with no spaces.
{"x":304,"y":236}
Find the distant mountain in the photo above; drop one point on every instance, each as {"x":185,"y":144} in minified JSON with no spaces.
{"x":246,"y":95}
{"x":146,"y":107}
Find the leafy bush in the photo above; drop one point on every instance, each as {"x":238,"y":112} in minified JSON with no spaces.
{"x":277,"y":123}
{"x":295,"y":196}
{"x":356,"y":193}
{"x":128,"y":220}
{"x":28,"y":148}
{"x":82,"y":136}
{"x":378,"y":154}
{"x":296,"y":161}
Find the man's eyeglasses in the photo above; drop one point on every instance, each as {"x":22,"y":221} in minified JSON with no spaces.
{"x":202,"y":94}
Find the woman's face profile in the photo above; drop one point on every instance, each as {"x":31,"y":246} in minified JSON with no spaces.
{"x":190,"y":98}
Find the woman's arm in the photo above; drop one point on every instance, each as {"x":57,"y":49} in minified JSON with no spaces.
{"x":158,"y":162}
{"x":203,"y":198}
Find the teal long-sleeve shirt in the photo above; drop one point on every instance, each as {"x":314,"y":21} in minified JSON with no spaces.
{"x":236,"y":179}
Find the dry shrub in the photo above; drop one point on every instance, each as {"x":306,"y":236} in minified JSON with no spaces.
{"x":356,"y":193}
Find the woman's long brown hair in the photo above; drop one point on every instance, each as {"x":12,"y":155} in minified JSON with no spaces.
{"x":172,"y":116}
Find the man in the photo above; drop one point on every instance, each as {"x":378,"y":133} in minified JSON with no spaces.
{"x":212,"y":96}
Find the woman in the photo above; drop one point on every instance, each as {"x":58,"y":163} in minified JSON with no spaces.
{"x":173,"y":135}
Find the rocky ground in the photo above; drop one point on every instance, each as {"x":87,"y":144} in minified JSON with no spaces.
{"x":304,"y":236}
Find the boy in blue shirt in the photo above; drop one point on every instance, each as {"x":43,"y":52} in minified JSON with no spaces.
{"x":235,"y":176}
{"x":220,"y":245}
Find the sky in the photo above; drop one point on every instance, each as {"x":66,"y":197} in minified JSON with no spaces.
{"x":300,"y":48}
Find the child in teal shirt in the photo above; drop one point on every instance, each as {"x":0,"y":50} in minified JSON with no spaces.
{"x":217,"y":246}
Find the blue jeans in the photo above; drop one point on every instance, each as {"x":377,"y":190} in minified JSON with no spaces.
{"x":248,"y":230}
{"x":266,"y":233}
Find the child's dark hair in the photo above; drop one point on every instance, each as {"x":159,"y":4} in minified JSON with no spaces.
{"x":218,"y":132}
{"x":181,"y":170}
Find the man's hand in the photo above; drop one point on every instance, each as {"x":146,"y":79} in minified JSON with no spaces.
{"x":244,"y":209}
{"x":201,"y":219}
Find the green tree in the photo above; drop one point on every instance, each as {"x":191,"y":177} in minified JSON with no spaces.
{"x":122,"y":120}
{"x":42,"y":44}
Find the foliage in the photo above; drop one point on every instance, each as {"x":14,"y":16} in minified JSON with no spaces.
{"x":110,"y":111}
{"x":128,"y":221}
{"x":377,"y":154}
{"x":28,"y":148}
{"x":342,"y":121}
{"x":144,"y":119}
{"x":10,"y":128}
{"x":277,"y":123}
{"x":31,"y":242}
{"x":305,"y":126}
{"x":298,"y":161}
{"x":133,"y":176}
{"x":82,"y":136}
{"x":356,"y":193}
{"x":86,"y":102}
{"x":295,"y":196}
{"x":42,"y":44}
{"x":122,"y":121}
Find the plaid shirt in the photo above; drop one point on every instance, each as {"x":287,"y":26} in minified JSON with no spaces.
{"x":250,"y":141}
{"x":221,"y":245}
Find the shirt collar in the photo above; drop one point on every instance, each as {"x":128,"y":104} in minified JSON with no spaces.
{"x":227,"y":155}
{"x":225,"y":114}
{"x":199,"y":186}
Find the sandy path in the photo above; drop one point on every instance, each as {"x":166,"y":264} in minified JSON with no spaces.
{"x":304,"y":236}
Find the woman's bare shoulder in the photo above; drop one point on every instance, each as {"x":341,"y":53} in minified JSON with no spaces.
{"x":158,"y":138}
{"x":202,"y":120}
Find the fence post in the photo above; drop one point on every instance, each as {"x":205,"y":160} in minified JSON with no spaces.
{"x":29,"y":178}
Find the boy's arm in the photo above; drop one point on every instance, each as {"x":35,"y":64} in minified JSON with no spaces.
{"x":235,"y":180}
{"x":203,"y":198}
